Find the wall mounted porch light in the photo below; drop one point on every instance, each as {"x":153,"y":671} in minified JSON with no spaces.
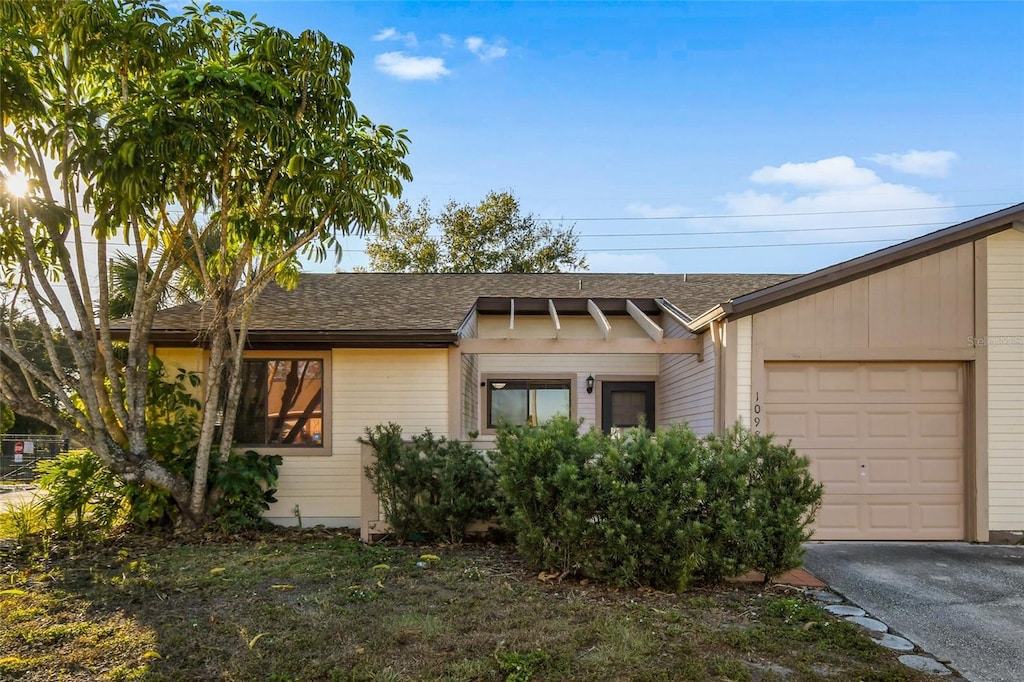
{"x":590,"y":384}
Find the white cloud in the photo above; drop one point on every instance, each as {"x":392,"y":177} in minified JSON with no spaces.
{"x":820,"y":196}
{"x":406,"y":67}
{"x":484,"y":50}
{"x":647,"y":211}
{"x":838,"y":171}
{"x":446,"y":41}
{"x":931,"y":164}
{"x":625,"y":262}
{"x":391,"y":33}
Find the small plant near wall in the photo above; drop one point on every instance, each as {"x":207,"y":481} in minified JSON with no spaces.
{"x":430,"y":488}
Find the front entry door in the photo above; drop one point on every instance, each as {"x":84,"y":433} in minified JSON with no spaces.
{"x":625,"y":404}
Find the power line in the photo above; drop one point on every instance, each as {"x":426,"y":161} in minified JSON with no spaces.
{"x":770,"y":215}
{"x":778,"y":231}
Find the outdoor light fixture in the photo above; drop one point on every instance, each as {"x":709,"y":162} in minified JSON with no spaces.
{"x":590,"y":384}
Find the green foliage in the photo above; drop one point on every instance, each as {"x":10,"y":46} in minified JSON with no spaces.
{"x":519,"y":666}
{"x":431,"y":487}
{"x":659,"y":509}
{"x":783,"y":501}
{"x":243,"y":486}
{"x":493,"y":236}
{"x":648,"y":490}
{"x":549,"y":493}
{"x":228,"y":151}
{"x":172,"y":419}
{"x":6,"y":418}
{"x":82,"y":496}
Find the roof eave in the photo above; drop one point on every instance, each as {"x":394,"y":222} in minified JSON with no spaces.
{"x":273,"y":339}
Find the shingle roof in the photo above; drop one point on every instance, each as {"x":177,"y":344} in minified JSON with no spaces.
{"x":375,"y":302}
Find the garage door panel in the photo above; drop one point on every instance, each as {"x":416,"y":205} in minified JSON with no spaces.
{"x":885,"y":517}
{"x":935,"y":383}
{"x":885,"y":439}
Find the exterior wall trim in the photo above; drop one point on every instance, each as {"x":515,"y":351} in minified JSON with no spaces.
{"x":977,"y":501}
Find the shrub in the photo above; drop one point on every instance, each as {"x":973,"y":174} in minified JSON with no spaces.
{"x":655,"y":508}
{"x":549,"y":492}
{"x":782,"y":504}
{"x":243,"y":487}
{"x":648,"y":488}
{"x":431,"y":488}
{"x":82,"y":496}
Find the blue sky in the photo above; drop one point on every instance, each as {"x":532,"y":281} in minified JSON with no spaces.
{"x":887,"y":120}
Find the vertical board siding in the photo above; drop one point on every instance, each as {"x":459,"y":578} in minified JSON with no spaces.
{"x":744,"y":363}
{"x":686,"y":386}
{"x":927,"y":303}
{"x":1006,"y":380}
{"x":369,"y":387}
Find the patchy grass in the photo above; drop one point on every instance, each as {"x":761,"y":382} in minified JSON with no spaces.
{"x":320,"y":606}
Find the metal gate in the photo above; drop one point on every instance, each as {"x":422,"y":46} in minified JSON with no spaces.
{"x":19,"y":454}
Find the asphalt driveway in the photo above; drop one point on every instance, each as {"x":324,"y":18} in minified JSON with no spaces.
{"x":961,"y":603}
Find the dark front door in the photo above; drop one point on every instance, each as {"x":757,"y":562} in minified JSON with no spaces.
{"x":626,"y":403}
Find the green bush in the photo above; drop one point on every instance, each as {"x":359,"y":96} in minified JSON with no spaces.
{"x":83,"y":497}
{"x":648,"y":489}
{"x":783,"y":501}
{"x":243,"y":487}
{"x":549,"y":493}
{"x":659,"y":508}
{"x":431,"y":488}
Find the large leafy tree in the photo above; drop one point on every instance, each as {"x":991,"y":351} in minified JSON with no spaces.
{"x":207,"y":142}
{"x":493,"y":236}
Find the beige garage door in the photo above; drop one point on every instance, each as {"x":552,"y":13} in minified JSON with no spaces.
{"x":885,"y":439}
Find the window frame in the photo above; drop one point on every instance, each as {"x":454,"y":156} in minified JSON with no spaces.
{"x":324,"y":449}
{"x":486,"y":427}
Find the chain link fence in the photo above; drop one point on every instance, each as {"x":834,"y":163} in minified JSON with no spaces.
{"x":19,"y":454}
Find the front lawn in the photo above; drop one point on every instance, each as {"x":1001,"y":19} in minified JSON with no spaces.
{"x":316,"y":605}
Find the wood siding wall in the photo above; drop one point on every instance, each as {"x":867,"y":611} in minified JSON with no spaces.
{"x":686,"y":385}
{"x":369,"y":387}
{"x":1005,"y":345}
{"x":927,"y":304}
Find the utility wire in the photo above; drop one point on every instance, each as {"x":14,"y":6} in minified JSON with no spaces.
{"x":772,"y":215}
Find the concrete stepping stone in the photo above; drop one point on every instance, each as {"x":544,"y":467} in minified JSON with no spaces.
{"x":895,"y":642}
{"x":845,"y":610}
{"x":924,"y":664}
{"x":869,"y":623}
{"x":825,"y":596}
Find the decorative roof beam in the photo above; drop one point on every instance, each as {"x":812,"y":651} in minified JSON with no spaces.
{"x":599,"y":318}
{"x":554,"y":317}
{"x":646,"y":323}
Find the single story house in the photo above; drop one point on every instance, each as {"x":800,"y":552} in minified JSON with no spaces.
{"x":900,"y":374}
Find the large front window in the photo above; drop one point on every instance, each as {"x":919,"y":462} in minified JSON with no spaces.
{"x":519,"y":401}
{"x":281,"y":403}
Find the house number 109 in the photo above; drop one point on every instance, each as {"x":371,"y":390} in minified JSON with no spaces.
{"x":757,"y":413}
